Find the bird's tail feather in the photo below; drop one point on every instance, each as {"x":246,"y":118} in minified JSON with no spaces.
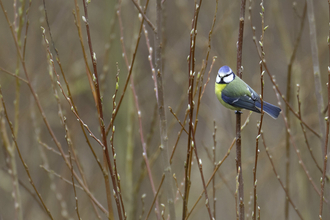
{"x":270,"y":109}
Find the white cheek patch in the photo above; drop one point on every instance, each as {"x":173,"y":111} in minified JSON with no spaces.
{"x":228,"y":78}
{"x":218,"y":79}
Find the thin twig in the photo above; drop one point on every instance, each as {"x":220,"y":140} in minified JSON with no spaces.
{"x":59,"y":176}
{"x":304,"y":131}
{"x":143,"y":143}
{"x":218,"y":166}
{"x":325,"y":153}
{"x":214,"y":164}
{"x":13,"y":74}
{"x":169,"y":186}
{"x":179,"y":135}
{"x":278,"y":178}
{"x":325,"y":159}
{"x":316,"y":69}
{"x":156,"y":196}
{"x":144,"y":16}
{"x":105,"y":175}
{"x":176,"y":117}
{"x":130,"y":67}
{"x":35,"y":96}
{"x":276,"y":86}
{"x":74,"y":188}
{"x":18,"y":150}
{"x":287,"y":115}
{"x":298,"y":154}
{"x":259,"y":126}
{"x":238,"y":115}
{"x":99,"y":106}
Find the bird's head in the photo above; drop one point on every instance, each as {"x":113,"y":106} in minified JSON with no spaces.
{"x":225,"y":75}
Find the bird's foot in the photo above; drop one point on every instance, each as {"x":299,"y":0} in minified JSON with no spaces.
{"x":238,"y":112}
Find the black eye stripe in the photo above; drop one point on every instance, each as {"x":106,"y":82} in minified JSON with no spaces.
{"x":225,"y":75}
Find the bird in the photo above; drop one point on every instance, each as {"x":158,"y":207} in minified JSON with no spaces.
{"x":235,"y":94}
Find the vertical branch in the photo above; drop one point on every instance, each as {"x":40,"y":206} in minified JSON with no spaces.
{"x":238,"y":114}
{"x":18,"y":150}
{"x":192,"y":127}
{"x":143,"y":143}
{"x":316,"y":68}
{"x":325,"y":159}
{"x":325,"y":154}
{"x":215,"y":165}
{"x":52,"y":66}
{"x":74,"y":187}
{"x":161,"y":110}
{"x":287,"y":111}
{"x":114,"y":177}
{"x":261,"y":42}
{"x":191,"y":77}
{"x":18,"y":30}
{"x":278,"y":177}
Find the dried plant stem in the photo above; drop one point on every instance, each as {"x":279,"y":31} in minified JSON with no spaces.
{"x":150,"y":50}
{"x":199,"y":162}
{"x":57,"y":143}
{"x":73,"y":106}
{"x":286,"y":102}
{"x":276,"y":86}
{"x":52,"y":172}
{"x":66,"y":129}
{"x":238,"y":114}
{"x":278,"y":178}
{"x":325,"y":159}
{"x":179,"y":134}
{"x":144,"y":149}
{"x":316,"y":68}
{"x":287,"y":115}
{"x":176,"y":117}
{"x":9,"y":151}
{"x":143,"y":143}
{"x":114,"y":177}
{"x":299,"y":154}
{"x":131,"y":200}
{"x":114,"y":114}
{"x":77,"y":16}
{"x":218,"y":164}
{"x":325,"y":154}
{"x":169,"y":186}
{"x":74,"y":188}
{"x":304,"y":132}
{"x":156,"y":196}
{"x":13,"y":74}
{"x":18,"y":29}
{"x":210,"y":157}
{"x":146,"y":19}
{"x":105,"y":174}
{"x":191,"y":146}
{"x":18,"y":150}
{"x":259,"y":126}
{"x":215,"y":166}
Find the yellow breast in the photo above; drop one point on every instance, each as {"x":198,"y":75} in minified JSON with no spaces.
{"x":218,"y":90}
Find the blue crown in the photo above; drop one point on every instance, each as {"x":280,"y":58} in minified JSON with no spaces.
{"x":225,"y":70}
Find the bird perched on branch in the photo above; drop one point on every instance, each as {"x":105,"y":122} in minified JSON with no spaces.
{"x":235,"y":94}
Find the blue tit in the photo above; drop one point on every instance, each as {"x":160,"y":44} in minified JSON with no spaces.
{"x":235,"y":94}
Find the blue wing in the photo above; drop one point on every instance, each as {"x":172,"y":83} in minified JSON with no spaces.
{"x":244,"y":101}
{"x":270,"y":109}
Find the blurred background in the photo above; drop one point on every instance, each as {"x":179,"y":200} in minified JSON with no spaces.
{"x":111,"y":31}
